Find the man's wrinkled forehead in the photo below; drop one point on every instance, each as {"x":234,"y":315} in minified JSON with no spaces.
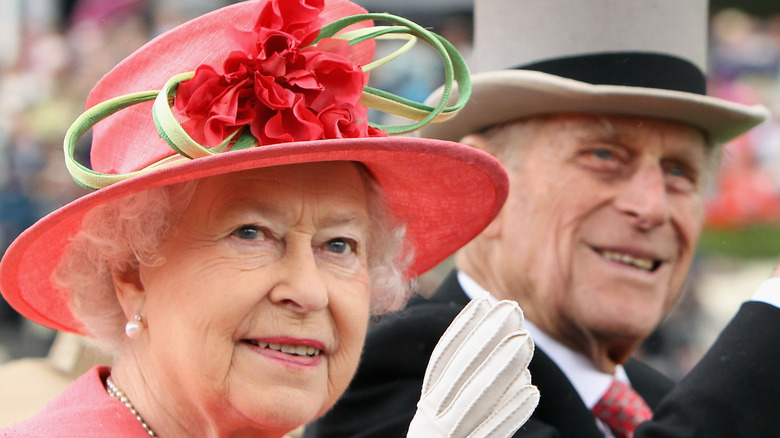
{"x":617,"y":128}
{"x":509,"y":141}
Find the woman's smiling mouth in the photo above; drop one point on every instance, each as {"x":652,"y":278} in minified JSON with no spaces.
{"x":295,"y":350}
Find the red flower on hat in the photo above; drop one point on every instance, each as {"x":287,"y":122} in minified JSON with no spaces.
{"x":277,"y":84}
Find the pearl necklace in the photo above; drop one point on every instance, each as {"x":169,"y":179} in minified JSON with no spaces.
{"x":117,"y":393}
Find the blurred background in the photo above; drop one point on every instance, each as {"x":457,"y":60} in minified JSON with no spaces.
{"x":53,"y":51}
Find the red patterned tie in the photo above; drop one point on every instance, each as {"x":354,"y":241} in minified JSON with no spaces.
{"x":622,"y":409}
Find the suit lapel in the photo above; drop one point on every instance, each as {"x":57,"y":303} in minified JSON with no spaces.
{"x":560,"y":406}
{"x":648,"y":382}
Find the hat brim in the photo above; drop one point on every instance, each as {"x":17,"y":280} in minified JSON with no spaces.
{"x":505,"y":95}
{"x":444,"y":192}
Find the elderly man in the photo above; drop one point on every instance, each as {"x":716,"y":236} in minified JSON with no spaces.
{"x":598,"y":111}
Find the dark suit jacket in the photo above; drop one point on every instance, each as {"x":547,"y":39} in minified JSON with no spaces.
{"x":733,"y":392}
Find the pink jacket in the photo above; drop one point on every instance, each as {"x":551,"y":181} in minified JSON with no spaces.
{"x":83,"y":410}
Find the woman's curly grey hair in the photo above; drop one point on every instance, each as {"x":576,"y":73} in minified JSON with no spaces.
{"x":125,"y":233}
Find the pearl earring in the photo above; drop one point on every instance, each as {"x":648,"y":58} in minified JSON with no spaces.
{"x":134,"y":327}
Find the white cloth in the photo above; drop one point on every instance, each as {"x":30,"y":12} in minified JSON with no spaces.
{"x":477,"y":382}
{"x":769,"y":292}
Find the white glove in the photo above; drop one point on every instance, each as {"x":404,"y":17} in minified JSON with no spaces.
{"x":477,"y":382}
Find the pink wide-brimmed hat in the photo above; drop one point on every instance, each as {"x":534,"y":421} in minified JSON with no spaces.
{"x":253,"y":85}
{"x":643,"y":58}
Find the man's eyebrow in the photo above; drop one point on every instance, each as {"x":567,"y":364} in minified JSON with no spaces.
{"x":598,"y":128}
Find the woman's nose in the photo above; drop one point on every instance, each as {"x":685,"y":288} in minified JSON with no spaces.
{"x":300,"y":286}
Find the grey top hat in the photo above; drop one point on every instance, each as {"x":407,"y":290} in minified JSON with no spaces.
{"x":625,"y":57}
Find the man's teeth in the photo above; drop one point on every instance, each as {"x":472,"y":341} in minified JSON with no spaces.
{"x":298,"y":350}
{"x":645,"y":264}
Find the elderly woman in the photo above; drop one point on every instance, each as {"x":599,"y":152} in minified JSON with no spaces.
{"x":245,"y":225}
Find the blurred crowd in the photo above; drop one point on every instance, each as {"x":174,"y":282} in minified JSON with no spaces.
{"x":52,"y":52}
{"x":745,"y":67}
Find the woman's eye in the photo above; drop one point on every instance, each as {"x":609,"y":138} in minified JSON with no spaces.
{"x":248,"y":232}
{"x":340,"y":246}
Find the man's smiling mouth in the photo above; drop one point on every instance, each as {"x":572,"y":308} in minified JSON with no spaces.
{"x":644,"y":264}
{"x":295,"y":350}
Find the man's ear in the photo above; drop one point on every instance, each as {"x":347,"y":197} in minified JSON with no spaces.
{"x":476,"y":141}
{"x":493,"y":230}
{"x":129,"y":290}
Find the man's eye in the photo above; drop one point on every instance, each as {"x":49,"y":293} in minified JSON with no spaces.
{"x":604,"y":154}
{"x":340,"y":246}
{"x":682,"y":177}
{"x":680,"y":170}
{"x":248,"y":232}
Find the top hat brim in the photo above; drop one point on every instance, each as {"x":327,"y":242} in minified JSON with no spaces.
{"x":501,"y":96}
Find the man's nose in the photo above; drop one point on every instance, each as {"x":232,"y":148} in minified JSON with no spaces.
{"x":644,"y":197}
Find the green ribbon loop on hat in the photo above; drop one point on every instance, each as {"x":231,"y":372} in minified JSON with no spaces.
{"x":455,"y":69}
{"x":186,"y":148}
{"x":87,"y":177}
{"x":171,"y":130}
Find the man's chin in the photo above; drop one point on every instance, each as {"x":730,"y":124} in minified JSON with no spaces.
{"x":620,"y":337}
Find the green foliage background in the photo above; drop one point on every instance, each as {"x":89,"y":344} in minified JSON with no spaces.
{"x":756,"y":241}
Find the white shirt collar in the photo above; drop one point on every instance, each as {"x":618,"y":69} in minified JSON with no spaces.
{"x":588,"y":381}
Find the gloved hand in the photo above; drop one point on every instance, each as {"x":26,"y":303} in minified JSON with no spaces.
{"x":477,"y":382}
